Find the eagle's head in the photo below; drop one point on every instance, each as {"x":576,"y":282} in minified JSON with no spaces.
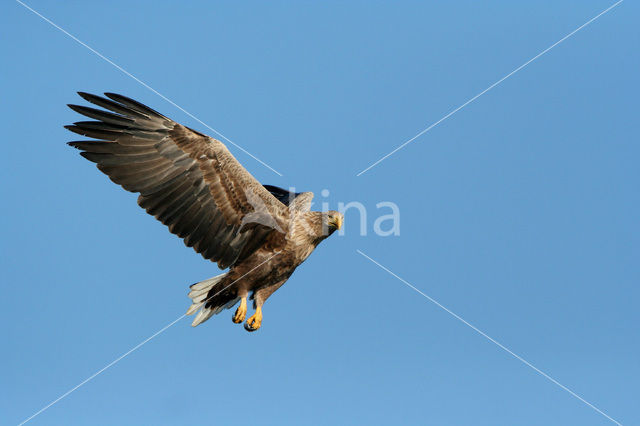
{"x":334,"y":221}
{"x":316,"y":226}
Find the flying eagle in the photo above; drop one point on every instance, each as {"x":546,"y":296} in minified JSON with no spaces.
{"x":191,"y":183}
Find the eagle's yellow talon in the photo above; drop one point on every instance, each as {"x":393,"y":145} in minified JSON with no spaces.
{"x":241,"y":312}
{"x":255,"y":321}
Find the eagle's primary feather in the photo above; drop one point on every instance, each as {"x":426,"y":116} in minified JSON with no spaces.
{"x":192,"y":184}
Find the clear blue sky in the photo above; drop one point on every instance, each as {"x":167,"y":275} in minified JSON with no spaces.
{"x":519,"y":213}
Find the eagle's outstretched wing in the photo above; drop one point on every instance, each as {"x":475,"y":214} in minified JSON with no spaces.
{"x":187,"y":180}
{"x":296,"y":201}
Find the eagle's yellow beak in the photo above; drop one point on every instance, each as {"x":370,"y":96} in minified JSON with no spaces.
{"x":336,"y":221}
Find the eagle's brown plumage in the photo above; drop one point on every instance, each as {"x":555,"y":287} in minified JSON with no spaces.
{"x":192,"y":184}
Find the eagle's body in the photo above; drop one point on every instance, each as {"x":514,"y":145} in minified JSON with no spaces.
{"x":192,"y":184}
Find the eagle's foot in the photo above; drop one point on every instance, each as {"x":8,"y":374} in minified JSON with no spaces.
{"x":241,"y":312}
{"x":255,"y":321}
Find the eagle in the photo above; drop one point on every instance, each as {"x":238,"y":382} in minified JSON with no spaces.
{"x":192,"y":183}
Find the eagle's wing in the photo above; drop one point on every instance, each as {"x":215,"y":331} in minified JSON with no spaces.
{"x":296,"y":201}
{"x":283,"y":195}
{"x":302,"y":203}
{"x":187,"y":180}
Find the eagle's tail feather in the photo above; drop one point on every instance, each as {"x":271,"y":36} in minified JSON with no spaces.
{"x":200,"y":297}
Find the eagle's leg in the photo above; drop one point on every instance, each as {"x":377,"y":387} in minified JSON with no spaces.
{"x":259,"y":297}
{"x":241,"y":312}
{"x":255,"y":321}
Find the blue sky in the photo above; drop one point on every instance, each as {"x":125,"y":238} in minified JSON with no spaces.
{"x":519,"y":213}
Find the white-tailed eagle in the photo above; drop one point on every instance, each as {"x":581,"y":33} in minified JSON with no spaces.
{"x":191,"y":183}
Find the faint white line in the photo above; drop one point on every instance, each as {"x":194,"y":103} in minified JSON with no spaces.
{"x":115,"y":361}
{"x":518,"y":357}
{"x":490,"y":87}
{"x":151,"y":88}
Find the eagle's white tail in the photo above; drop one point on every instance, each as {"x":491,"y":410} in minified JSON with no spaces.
{"x":199,"y":295}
